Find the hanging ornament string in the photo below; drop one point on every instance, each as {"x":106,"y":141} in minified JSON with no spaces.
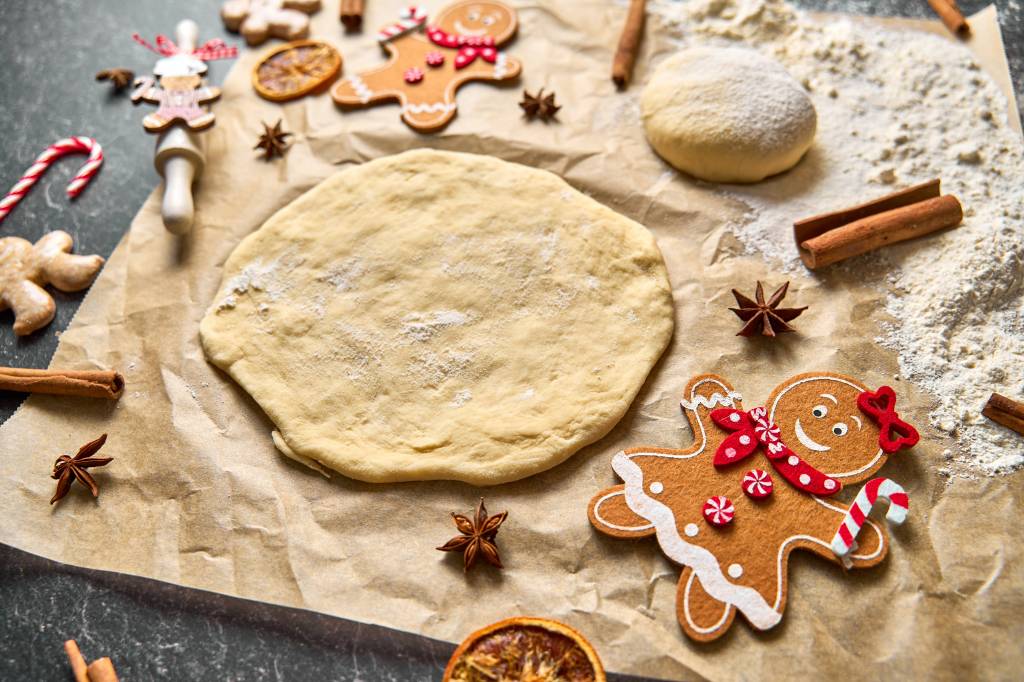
{"x":70,"y":145}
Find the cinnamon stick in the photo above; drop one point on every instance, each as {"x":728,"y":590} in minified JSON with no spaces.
{"x":913,"y":212}
{"x":102,"y":670}
{"x":629,"y":43}
{"x":78,"y":666}
{"x":352,"y":14}
{"x":951,"y":16}
{"x":88,"y":384}
{"x":1005,"y":411}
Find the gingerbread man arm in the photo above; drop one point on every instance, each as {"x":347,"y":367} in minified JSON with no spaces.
{"x":610,"y":514}
{"x":824,"y":520}
{"x":377,"y":84}
{"x":146,"y":89}
{"x":61,"y":268}
{"x":208,"y":93}
{"x":704,"y":394}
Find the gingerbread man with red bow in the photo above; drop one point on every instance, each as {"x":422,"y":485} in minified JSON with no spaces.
{"x":425,"y":69}
{"x":757,"y":485}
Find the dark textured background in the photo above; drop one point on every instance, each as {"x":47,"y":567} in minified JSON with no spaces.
{"x":50,"y":51}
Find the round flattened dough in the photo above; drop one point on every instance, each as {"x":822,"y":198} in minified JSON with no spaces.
{"x":435,"y":315}
{"x":727,"y":114}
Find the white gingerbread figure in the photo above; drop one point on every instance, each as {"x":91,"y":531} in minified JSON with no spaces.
{"x":179,"y":88}
{"x":26,"y":268}
{"x":258,"y":20}
{"x":756,"y":486}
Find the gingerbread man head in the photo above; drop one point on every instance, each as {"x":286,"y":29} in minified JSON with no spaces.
{"x":837,"y":425}
{"x":479,"y":20}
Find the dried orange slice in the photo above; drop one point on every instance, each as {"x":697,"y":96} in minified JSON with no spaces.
{"x":295,"y":69}
{"x":526,"y":649}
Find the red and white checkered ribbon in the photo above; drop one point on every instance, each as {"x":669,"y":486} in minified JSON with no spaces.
{"x":210,"y":50}
{"x":70,"y":145}
{"x":884,"y":488}
{"x":411,"y":18}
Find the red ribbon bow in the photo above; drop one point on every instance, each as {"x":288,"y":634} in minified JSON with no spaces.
{"x":470,"y":47}
{"x":211,"y":49}
{"x":881,"y":407}
{"x":752,"y":430}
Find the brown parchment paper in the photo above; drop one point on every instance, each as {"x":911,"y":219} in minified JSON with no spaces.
{"x":198,"y":496}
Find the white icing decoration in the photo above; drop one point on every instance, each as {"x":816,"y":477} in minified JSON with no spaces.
{"x":657,"y":487}
{"x":745,"y":440}
{"x":807,"y":441}
{"x":500,"y":66}
{"x":793,"y":460}
{"x":829,"y":483}
{"x":364,"y":93}
{"x":805,"y":479}
{"x":703,"y":562}
{"x":691,"y":530}
{"x":711,"y":403}
{"x":597,"y":515}
{"x":734,"y":417}
{"x":439,"y":107}
{"x":735,"y":571}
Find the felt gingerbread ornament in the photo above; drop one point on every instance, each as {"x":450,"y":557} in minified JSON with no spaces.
{"x":757,"y":485}
{"x":258,"y":20}
{"x":179,"y":89}
{"x":26,"y":268}
{"x":425,"y":69}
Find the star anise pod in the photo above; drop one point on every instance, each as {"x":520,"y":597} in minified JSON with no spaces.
{"x":273,"y":141}
{"x":68,"y":469}
{"x":765,"y":317}
{"x":119,"y":78}
{"x":540,"y":105}
{"x":477,"y":537}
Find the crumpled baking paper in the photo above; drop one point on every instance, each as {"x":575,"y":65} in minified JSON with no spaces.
{"x":197,"y":495}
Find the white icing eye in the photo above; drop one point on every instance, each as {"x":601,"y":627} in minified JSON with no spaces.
{"x":840,"y":429}
{"x":819,"y":411}
{"x":489,"y":21}
{"x":474,"y":16}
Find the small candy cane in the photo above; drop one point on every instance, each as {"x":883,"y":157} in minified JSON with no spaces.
{"x":884,"y":488}
{"x":70,"y":145}
{"x":411,"y":18}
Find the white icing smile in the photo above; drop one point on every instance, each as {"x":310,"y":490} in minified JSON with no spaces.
{"x":475,"y":32}
{"x":807,"y":441}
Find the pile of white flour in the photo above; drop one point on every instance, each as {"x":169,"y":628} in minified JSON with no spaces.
{"x":896,"y":108}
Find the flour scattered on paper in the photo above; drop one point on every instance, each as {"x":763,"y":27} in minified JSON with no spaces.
{"x":896,"y":108}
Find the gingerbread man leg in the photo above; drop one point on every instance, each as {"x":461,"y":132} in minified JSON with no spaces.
{"x":33,"y":307}
{"x":701,"y":616}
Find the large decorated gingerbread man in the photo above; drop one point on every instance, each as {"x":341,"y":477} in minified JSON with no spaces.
{"x":753,"y":488}
{"x":425,"y":70}
{"x":26,"y":268}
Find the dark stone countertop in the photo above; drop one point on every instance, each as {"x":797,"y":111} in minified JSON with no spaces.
{"x":151,"y":629}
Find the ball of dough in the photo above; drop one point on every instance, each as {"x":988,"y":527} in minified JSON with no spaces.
{"x":435,"y":315}
{"x":727,"y":114}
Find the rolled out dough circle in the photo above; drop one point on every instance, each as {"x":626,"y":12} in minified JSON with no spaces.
{"x":435,"y":315}
{"x":727,"y":114}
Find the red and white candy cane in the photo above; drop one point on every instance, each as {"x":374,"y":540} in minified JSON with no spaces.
{"x":411,"y":18}
{"x":884,"y":488}
{"x":70,"y":145}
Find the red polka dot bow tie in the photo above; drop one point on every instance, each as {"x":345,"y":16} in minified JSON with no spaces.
{"x":881,"y":407}
{"x":470,"y":47}
{"x":753,"y":430}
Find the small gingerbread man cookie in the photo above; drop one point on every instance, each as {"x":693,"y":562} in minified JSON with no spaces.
{"x":25,"y":269}
{"x":258,"y":20}
{"x":424,"y":71}
{"x":733,"y":507}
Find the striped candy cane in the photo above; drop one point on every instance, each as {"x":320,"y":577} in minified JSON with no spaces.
{"x":70,"y":145}
{"x":884,"y":488}
{"x":411,"y":18}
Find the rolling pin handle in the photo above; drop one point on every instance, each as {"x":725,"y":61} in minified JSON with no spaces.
{"x":180,"y":160}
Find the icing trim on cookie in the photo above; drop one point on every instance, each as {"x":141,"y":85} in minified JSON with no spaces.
{"x":859,"y":387}
{"x":711,"y":403}
{"x":704,"y":564}
{"x":364,"y":93}
{"x":597,"y":515}
{"x":500,"y":66}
